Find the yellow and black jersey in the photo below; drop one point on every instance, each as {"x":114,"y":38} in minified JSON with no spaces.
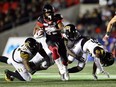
{"x":22,"y":52}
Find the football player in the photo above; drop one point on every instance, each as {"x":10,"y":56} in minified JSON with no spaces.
{"x":21,"y":57}
{"x":49,"y":24}
{"x":84,"y":45}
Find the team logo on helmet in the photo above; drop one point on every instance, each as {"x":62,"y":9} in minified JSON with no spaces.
{"x":30,"y":43}
{"x":71,"y":32}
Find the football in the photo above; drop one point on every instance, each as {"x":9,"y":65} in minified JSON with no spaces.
{"x":40,"y":32}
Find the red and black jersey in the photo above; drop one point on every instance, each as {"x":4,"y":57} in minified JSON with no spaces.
{"x":42,"y":22}
{"x":50,"y":26}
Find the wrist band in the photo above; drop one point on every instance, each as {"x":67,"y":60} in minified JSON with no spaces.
{"x":108,"y":33}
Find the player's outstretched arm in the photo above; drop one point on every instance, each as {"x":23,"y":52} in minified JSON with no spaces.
{"x":109,"y":27}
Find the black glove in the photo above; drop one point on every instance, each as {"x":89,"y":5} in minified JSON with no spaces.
{"x":32,"y":71}
{"x":80,"y":58}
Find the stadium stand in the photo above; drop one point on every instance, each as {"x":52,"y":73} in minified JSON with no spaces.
{"x":15,"y":13}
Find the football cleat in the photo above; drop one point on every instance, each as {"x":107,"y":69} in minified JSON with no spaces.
{"x":66,"y":75}
{"x":7,"y":76}
{"x":62,"y":77}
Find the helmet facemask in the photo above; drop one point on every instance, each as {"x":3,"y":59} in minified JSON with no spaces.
{"x":49,"y":15}
{"x":71,"y":32}
{"x":71,"y":35}
{"x":48,"y":12}
{"x":108,"y":59}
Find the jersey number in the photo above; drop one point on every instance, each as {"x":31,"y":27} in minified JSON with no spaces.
{"x":95,"y":41}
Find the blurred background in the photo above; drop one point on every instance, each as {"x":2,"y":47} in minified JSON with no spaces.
{"x":18,"y":17}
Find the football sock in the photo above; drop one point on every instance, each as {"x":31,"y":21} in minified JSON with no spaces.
{"x":59,"y":65}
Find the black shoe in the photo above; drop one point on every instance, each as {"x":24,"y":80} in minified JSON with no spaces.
{"x":7,"y":76}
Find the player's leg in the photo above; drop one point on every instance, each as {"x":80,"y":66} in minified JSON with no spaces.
{"x":10,"y":75}
{"x":55,"y":55}
{"x":3,"y":59}
{"x":57,"y":58}
{"x":63,"y":54}
{"x":44,"y":55}
{"x":77,"y":68}
{"x":21,"y":73}
{"x":41,"y":63}
{"x":80,"y":55}
{"x":36,"y":63}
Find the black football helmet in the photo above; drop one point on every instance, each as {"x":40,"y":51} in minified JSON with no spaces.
{"x":108,"y":59}
{"x":48,"y":11}
{"x":31,"y":43}
{"x":71,"y":32}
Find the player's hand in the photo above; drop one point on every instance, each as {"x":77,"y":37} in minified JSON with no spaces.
{"x":81,"y":59}
{"x":105,"y":38}
{"x":32,"y":71}
{"x":95,"y":77}
{"x":106,"y":73}
{"x":39,"y":34}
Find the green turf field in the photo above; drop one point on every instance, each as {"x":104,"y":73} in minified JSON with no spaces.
{"x":51,"y":78}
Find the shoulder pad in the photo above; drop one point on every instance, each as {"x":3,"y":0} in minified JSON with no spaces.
{"x":40,"y":19}
{"x":58,"y":17}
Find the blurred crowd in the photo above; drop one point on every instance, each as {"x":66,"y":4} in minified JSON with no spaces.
{"x":93,"y":23}
{"x":17,"y":12}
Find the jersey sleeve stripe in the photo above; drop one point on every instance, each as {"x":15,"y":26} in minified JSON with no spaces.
{"x":39,"y":24}
{"x":59,"y":21}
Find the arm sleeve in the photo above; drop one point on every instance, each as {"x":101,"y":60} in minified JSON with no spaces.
{"x":98,"y":64}
{"x":58,"y":18}
{"x":40,"y":21}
